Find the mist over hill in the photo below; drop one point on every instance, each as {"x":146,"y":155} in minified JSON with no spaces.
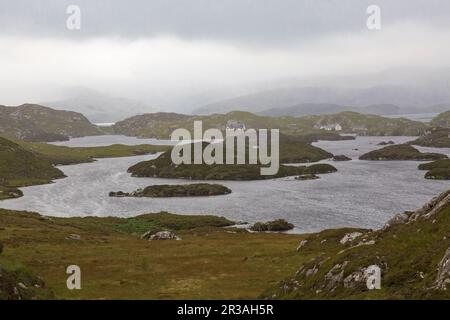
{"x":392,"y":91}
{"x":99,"y":107}
{"x":409,"y":98}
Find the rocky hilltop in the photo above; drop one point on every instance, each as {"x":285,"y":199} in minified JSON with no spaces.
{"x":412,"y":251}
{"x":436,"y":137}
{"x":31,"y":122}
{"x":442,"y":120}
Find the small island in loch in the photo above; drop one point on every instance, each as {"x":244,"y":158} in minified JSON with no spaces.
{"x":401,"y":152}
{"x":273,"y":226}
{"x":304,"y":177}
{"x":341,"y":157}
{"x":168,"y":190}
{"x":163,"y":167}
{"x":437,"y":170}
{"x":385,"y":143}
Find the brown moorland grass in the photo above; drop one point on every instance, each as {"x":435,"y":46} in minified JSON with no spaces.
{"x":209,"y":262}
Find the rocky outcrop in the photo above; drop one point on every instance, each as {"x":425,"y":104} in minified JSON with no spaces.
{"x":429,"y":210}
{"x":443,"y":277}
{"x":161,"y":235}
{"x":408,"y":259}
{"x":302,"y":244}
{"x":337,"y":277}
{"x":275,"y":225}
{"x":19,"y":284}
{"x":349,"y":237}
{"x":75,"y":237}
{"x":397,"y":219}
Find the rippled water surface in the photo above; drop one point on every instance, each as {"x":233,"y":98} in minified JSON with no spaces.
{"x":360,"y":194}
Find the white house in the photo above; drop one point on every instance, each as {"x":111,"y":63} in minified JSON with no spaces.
{"x":330,"y":127}
{"x":235,"y":125}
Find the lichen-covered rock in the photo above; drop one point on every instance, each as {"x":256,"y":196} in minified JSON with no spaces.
{"x":302,"y":244}
{"x":75,"y":237}
{"x":162,"y":235}
{"x":349,"y":237}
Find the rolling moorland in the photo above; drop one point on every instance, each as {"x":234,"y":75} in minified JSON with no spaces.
{"x":37,"y":123}
{"x":161,"y":125}
{"x":209,"y":261}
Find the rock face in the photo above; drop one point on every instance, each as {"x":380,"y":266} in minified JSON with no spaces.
{"x":432,"y":207}
{"x":443,"y":277}
{"x":162,"y":235}
{"x":426,"y":212}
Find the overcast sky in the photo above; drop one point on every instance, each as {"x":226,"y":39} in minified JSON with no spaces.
{"x":152,"y":48}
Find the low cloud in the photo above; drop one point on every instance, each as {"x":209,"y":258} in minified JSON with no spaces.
{"x":35,"y":68}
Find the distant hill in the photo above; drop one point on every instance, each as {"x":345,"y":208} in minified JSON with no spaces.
{"x":99,"y":107}
{"x":161,"y":125}
{"x":31,"y":122}
{"x":306,"y":109}
{"x":370,"y":125}
{"x":410,"y":97}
